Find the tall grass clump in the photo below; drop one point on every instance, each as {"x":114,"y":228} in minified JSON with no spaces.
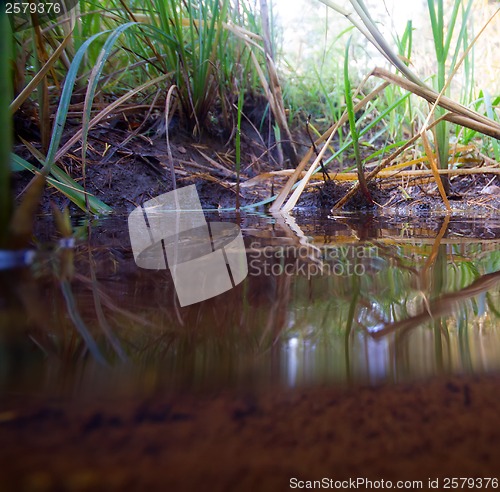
{"x":193,"y":40}
{"x":120,"y":51}
{"x":453,"y":49}
{"x":197,"y":43}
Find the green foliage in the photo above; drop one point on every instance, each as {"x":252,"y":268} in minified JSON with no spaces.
{"x":352,"y":122}
{"x":194,"y":42}
{"x":192,"y":39}
{"x":116,"y":46}
{"x":6,"y":125}
{"x":443,"y":36}
{"x":199,"y":46}
{"x":451,"y":30}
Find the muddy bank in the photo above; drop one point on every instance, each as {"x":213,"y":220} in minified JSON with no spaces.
{"x":444,"y":427}
{"x":126,"y":174}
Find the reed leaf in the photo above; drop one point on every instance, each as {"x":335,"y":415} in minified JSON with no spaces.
{"x":6,"y":125}
{"x":65,"y":99}
{"x":66,"y":185}
{"x":352,"y":126}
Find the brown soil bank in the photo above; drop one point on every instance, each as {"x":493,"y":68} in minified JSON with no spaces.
{"x":438,"y":429}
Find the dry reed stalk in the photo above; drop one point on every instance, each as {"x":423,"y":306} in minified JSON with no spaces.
{"x":458,"y":114}
{"x":435,"y":172}
{"x":387,"y":174}
{"x":343,"y":119}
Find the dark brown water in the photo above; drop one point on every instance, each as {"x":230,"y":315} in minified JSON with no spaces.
{"x":345,"y":298}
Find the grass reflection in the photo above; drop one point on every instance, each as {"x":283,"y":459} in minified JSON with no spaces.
{"x":362,"y":310}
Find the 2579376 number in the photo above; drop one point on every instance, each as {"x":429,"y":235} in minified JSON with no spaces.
{"x":32,"y":8}
{"x":470,"y":483}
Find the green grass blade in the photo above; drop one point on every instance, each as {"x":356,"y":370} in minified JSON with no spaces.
{"x":62,"y":110}
{"x":451,"y":28}
{"x":351,"y":115}
{"x":79,"y":323}
{"x":492,"y":115}
{"x":65,"y":184}
{"x":5,"y":124}
{"x":94,"y":80}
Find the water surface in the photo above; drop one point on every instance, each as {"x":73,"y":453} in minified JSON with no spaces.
{"x":335,"y":299}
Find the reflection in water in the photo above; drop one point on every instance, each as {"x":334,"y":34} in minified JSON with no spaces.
{"x":332,"y":300}
{"x":292,"y":360}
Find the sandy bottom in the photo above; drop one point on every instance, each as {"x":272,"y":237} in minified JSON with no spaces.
{"x":230,"y":441}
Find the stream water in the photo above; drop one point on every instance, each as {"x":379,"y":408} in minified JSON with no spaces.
{"x":333,"y":299}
